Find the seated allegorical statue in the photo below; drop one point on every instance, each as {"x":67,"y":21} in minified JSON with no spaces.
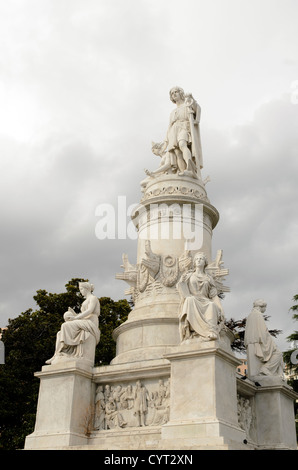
{"x":79,"y":334}
{"x":263,"y":356}
{"x":201,"y":313}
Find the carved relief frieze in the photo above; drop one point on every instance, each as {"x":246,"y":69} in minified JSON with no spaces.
{"x":246,"y":417}
{"x":172,"y":190}
{"x":132,"y":405}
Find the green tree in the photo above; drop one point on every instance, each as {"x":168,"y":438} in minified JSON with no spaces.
{"x":293,"y":338}
{"x":29,"y":341}
{"x":112,"y":314}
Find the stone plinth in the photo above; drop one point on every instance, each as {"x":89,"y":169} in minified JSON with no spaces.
{"x":275,"y":419}
{"x":64,"y":403}
{"x":204,"y":395}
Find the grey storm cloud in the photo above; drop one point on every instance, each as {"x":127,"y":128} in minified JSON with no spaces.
{"x":84,"y":90}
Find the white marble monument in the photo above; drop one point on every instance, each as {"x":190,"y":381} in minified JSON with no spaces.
{"x":173,"y":382}
{"x":264,"y":358}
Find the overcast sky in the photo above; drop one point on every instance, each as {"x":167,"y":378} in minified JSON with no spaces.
{"x":84,"y":89}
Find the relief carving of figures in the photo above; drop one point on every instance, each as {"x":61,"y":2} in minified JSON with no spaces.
{"x":245,"y":414}
{"x":127,"y":398}
{"x":141,"y":403}
{"x":99,"y":420}
{"x":122,"y":406}
{"x":161,"y":403}
{"x":77,"y":328}
{"x":263,"y":356}
{"x":113,"y":417}
{"x":201,"y":313}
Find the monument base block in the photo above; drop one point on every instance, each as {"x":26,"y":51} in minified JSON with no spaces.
{"x":63,"y":408}
{"x":275,"y":413}
{"x":191,"y":399}
{"x":204,"y":395}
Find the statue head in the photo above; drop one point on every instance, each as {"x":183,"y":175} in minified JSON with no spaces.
{"x":86,"y":287}
{"x":157,"y":148}
{"x":260,"y":304}
{"x":179,"y":90}
{"x":200,"y":255}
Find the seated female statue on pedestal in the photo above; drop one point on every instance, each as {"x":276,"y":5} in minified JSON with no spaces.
{"x":201,"y":313}
{"x":78,"y":328}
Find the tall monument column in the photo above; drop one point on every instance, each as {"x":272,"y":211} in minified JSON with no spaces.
{"x":174,"y":220}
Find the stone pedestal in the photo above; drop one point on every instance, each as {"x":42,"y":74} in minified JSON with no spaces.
{"x":275,"y":419}
{"x":65,"y":400}
{"x":204,"y":396}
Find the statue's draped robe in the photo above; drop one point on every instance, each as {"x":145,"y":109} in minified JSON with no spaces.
{"x":74,"y":333}
{"x":182,"y":126}
{"x":259,"y":343}
{"x":198,"y":311}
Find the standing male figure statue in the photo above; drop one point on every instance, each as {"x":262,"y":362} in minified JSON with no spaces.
{"x":183,"y":135}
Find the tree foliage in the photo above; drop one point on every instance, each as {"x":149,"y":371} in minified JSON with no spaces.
{"x":291,"y":366}
{"x":293,"y":338}
{"x":29,"y":341}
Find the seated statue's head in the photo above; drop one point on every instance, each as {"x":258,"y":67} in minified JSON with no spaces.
{"x":86,"y":287}
{"x":200,"y":257}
